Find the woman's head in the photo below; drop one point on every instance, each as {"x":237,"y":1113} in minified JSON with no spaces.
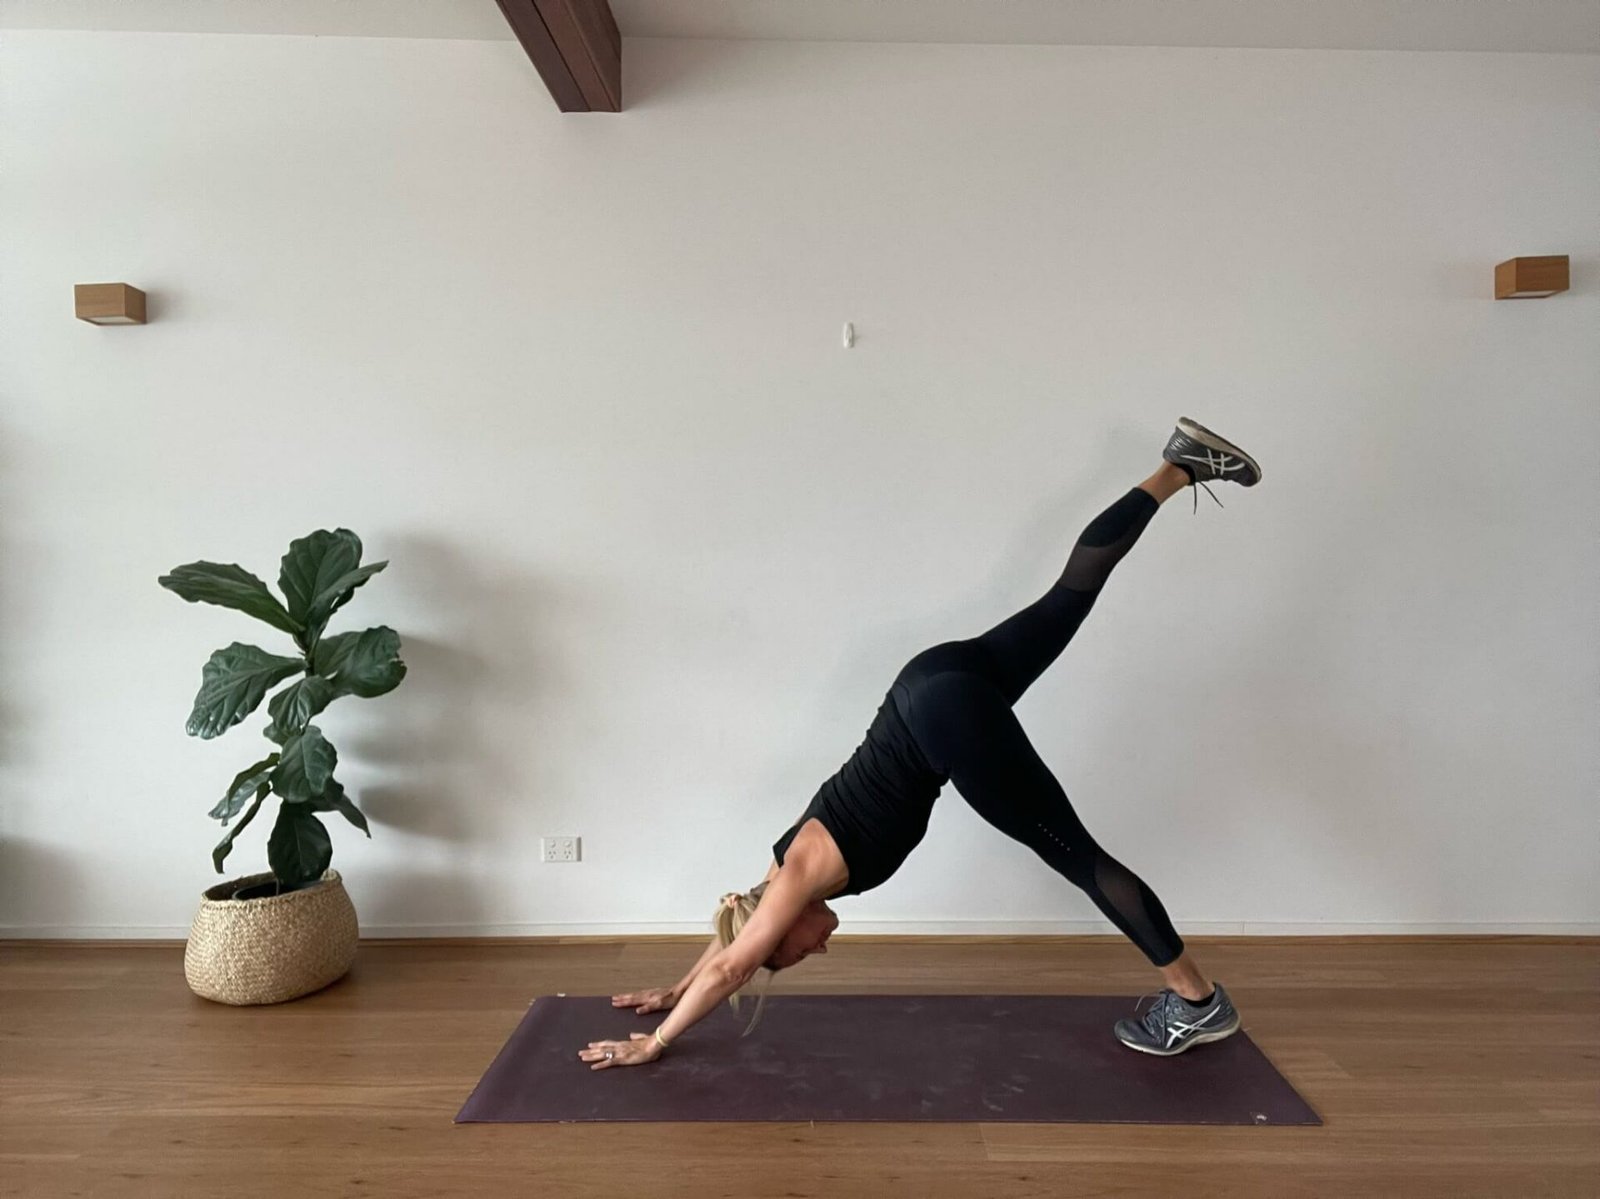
{"x":807,"y":935}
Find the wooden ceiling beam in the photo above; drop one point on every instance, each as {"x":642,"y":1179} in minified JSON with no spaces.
{"x":576,"y":48}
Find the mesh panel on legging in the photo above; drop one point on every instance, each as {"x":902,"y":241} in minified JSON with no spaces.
{"x":1023,"y":645}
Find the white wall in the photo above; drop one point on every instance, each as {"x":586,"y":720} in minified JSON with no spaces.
{"x":658,"y":543}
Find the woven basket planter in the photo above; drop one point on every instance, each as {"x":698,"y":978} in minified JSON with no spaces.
{"x":269,"y":950}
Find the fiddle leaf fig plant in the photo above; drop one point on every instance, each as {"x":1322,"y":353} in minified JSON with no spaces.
{"x":318,"y":576}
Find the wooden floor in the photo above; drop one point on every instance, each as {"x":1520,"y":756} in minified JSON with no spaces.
{"x":1451,"y":1067}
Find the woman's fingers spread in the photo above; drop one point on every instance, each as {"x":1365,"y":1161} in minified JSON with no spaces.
{"x":603,"y":1054}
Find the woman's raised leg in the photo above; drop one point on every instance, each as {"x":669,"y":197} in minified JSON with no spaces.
{"x":1020,"y":647}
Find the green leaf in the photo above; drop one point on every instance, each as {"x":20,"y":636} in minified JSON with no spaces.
{"x":319,"y":574}
{"x":294,"y":706}
{"x":246,"y":781}
{"x":298,"y":849}
{"x":305,"y":767}
{"x":232,"y":684}
{"x":339,"y":592}
{"x":333,"y":799}
{"x":313,"y":563}
{"x":365,"y":663}
{"x":221,"y":851}
{"x":230,"y":586}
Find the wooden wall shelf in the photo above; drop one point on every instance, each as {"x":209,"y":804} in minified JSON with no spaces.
{"x":1530,"y":278}
{"x":108,"y":303}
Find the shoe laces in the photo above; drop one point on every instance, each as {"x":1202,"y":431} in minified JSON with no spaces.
{"x":1212,"y":494}
{"x":1156,"y":1018}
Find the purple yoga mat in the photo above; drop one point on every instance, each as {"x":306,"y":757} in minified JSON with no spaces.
{"x":989,"y":1058}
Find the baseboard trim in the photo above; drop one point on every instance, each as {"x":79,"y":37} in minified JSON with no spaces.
{"x":865,"y":930}
{"x":944,"y":930}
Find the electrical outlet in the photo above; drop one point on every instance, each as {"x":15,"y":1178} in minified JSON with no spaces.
{"x":559,"y":849}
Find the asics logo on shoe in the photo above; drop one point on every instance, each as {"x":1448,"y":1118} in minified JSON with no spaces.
{"x":1217,"y":462}
{"x":1179,"y":1028}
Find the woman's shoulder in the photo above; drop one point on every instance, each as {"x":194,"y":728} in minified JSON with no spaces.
{"x":815,"y":854}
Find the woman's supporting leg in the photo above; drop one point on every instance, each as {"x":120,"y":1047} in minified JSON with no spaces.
{"x":1020,"y":647}
{"x":1184,"y":977}
{"x":965,"y":726}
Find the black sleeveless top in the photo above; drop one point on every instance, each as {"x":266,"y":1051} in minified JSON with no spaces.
{"x":876,"y":806}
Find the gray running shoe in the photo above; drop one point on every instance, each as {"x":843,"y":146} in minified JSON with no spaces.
{"x":1173,"y":1024}
{"x":1209,"y":457}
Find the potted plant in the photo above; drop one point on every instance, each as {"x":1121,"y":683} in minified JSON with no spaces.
{"x":270,"y":937}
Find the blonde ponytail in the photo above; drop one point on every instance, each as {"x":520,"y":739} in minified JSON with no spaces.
{"x":732,"y":914}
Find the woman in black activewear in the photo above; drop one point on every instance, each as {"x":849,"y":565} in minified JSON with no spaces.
{"x":947,"y":718}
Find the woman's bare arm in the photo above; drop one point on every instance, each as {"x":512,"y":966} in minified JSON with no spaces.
{"x":727,"y":971}
{"x":683,"y":983}
{"x":657,"y":999}
{"x":661,"y":998}
{"x":731,"y":968}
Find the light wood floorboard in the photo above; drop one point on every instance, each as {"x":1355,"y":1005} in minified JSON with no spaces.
{"x":1449,"y":1067}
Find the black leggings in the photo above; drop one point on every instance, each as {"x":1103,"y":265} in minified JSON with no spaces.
{"x":957,"y":702}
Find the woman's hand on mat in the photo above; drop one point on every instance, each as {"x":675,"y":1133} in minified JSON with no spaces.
{"x":635,"y":1051}
{"x":658,"y":999}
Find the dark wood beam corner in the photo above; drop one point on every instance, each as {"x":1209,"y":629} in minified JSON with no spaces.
{"x":576,"y":48}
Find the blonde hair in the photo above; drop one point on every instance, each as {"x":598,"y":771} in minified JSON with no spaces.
{"x":733,"y":912}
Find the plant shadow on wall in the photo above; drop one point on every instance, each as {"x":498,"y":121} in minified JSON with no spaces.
{"x":447,"y":776}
